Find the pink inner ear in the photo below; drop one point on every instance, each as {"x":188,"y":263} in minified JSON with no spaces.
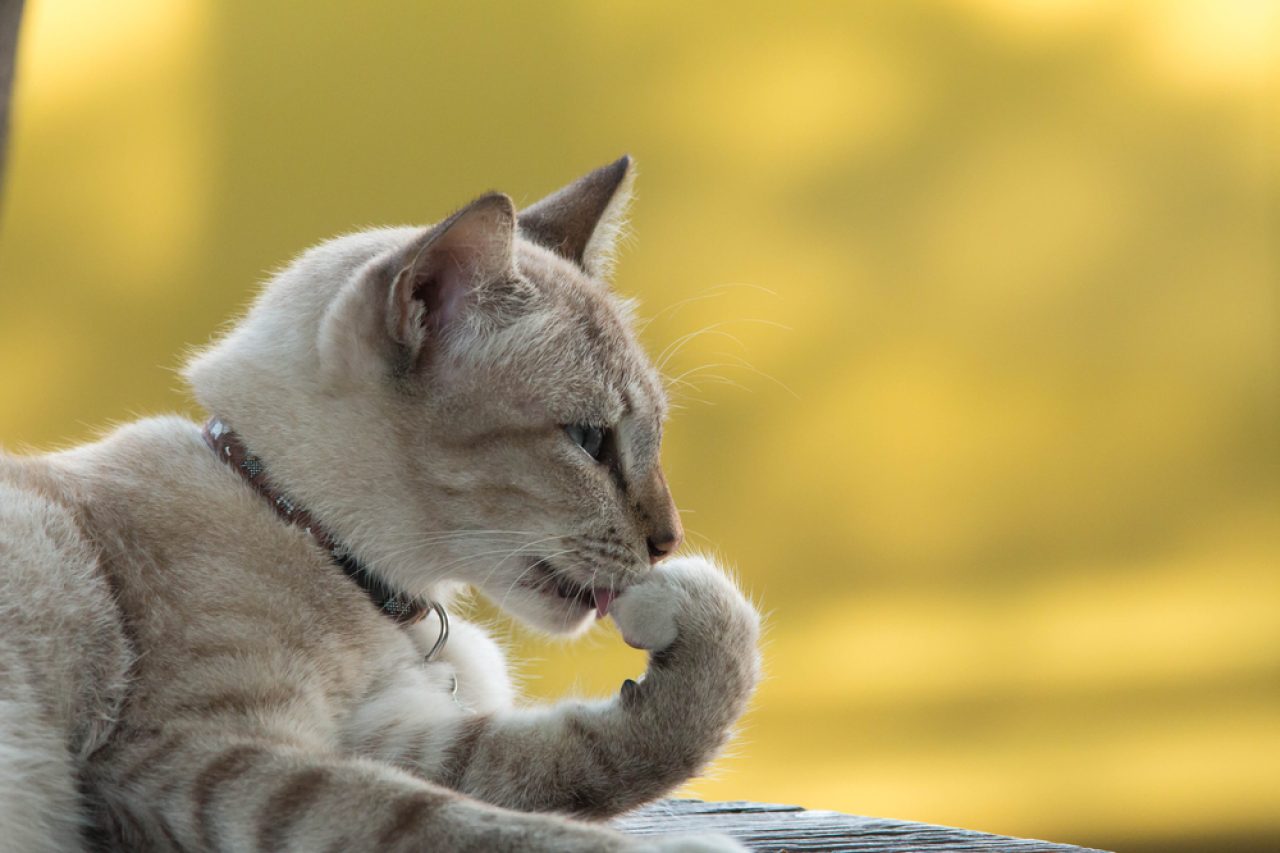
{"x":444,"y":290}
{"x":466,"y":251}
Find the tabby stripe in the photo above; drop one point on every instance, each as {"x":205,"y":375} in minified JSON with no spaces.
{"x":169,"y":835}
{"x":288,"y":805}
{"x":458,"y":756}
{"x":227,"y":767}
{"x":408,"y":815}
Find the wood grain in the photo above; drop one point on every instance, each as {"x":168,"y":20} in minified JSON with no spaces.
{"x":768,"y":827}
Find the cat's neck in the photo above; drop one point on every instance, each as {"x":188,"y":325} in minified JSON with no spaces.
{"x":390,"y":601}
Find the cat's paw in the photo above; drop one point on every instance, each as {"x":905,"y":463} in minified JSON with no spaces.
{"x":683,"y":596}
{"x":646,"y":612}
{"x":701,"y":843}
{"x":704,"y":663}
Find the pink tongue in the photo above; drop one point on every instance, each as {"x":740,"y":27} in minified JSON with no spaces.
{"x":604,"y":597}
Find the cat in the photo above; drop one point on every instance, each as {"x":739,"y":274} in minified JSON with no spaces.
{"x":239,"y":638}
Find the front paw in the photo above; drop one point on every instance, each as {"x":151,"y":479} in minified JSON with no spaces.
{"x":687,"y":598}
{"x":646,"y":613}
{"x":704,"y":663}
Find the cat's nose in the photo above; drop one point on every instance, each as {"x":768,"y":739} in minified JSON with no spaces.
{"x":662,"y":545}
{"x":658,"y":518}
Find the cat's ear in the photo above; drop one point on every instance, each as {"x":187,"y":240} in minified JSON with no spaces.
{"x":582,"y":221}
{"x":439,"y":271}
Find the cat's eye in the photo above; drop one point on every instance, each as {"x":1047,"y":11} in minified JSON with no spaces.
{"x":591,"y":439}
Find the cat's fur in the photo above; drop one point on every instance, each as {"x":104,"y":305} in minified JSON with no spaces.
{"x":182,"y":670}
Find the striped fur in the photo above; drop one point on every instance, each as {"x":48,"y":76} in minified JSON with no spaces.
{"x":179,"y":670}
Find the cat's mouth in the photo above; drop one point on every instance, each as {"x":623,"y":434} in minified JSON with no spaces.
{"x":543,"y":578}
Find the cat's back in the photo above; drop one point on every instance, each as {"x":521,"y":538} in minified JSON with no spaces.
{"x":93,"y":543}
{"x":140,"y":552}
{"x":106,"y":497}
{"x":66,"y":648}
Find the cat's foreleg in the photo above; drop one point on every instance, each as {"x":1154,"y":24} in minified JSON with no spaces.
{"x":193,"y":792}
{"x":601,"y":758}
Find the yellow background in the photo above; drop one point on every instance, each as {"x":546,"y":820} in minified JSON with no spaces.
{"x":972,"y":304}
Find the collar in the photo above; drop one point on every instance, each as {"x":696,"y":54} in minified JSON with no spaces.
{"x":394,"y":604}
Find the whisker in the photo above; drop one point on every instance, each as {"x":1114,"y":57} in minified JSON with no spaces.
{"x":508,"y":554}
{"x":746,"y":365}
{"x":679,"y":343}
{"x":542,"y":561}
{"x":712,"y":292}
{"x":503,"y":561}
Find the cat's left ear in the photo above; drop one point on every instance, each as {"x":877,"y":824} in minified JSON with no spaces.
{"x":402,"y":305}
{"x":442,"y":269}
{"x":582,"y":221}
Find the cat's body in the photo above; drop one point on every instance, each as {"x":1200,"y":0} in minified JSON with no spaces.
{"x":182,"y":669}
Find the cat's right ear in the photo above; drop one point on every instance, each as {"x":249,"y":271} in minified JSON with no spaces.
{"x":391,"y":317}
{"x":583,"y":221}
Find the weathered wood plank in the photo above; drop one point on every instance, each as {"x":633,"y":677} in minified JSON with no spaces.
{"x":768,"y":827}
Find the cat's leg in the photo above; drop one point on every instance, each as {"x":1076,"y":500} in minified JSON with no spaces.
{"x":63,"y":660}
{"x":197,"y":790}
{"x":598,"y":759}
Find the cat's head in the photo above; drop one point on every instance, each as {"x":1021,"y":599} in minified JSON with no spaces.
{"x":464,"y":402}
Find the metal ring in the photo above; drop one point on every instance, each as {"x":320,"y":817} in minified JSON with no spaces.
{"x":444,"y":631}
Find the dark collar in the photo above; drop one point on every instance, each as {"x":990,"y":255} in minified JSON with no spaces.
{"x":392,"y":603}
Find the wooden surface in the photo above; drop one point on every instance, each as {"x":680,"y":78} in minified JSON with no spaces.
{"x":766,"y":827}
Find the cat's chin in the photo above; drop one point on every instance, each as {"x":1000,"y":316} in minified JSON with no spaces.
{"x":550,"y":601}
{"x":546,"y":612}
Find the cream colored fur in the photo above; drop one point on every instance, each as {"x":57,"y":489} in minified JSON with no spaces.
{"x":182,"y":670}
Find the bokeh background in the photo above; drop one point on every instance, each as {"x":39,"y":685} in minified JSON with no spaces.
{"x":970,"y":307}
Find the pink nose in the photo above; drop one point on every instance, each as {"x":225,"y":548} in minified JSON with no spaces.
{"x":662,"y":545}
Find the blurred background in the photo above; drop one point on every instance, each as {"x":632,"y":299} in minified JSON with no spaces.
{"x":970,"y":308}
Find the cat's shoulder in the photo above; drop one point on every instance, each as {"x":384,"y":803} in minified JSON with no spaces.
{"x":161,"y":440}
{"x":153,"y":467}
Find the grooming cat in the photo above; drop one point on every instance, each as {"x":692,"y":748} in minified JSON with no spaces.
{"x":231,"y":640}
